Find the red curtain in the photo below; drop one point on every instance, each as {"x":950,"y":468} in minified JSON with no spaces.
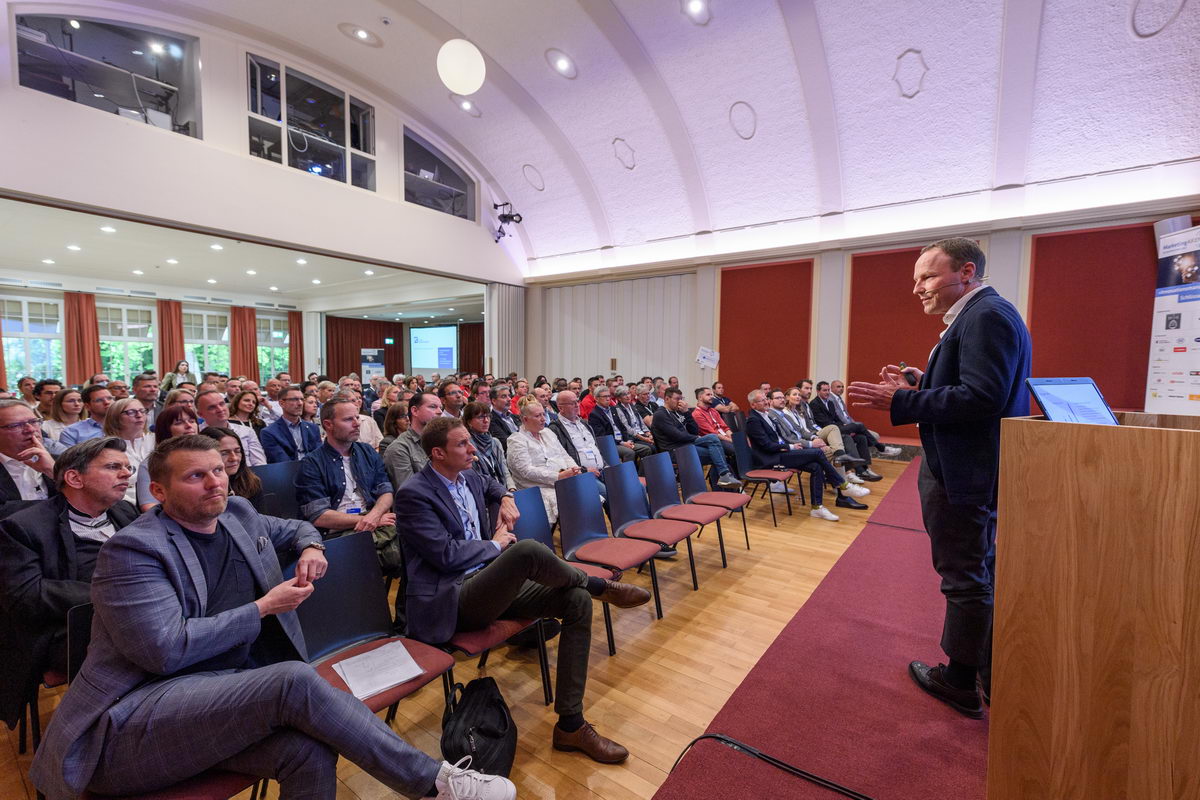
{"x":171,"y":349}
{"x":243,"y":343}
{"x":83,"y":336}
{"x":345,"y":339}
{"x":295,"y":346}
{"x":470,"y":347}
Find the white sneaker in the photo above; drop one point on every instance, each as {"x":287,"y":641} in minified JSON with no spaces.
{"x":821,"y":512}
{"x":852,"y":478}
{"x":856,"y":491}
{"x":457,"y":782}
{"x":779,"y":487}
{"x":891,"y":452}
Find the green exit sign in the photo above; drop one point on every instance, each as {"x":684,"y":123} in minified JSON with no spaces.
{"x":389,"y":340}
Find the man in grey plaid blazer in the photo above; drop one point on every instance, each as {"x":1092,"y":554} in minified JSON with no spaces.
{"x":197,"y":659}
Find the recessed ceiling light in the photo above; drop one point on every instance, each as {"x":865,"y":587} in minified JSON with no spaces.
{"x":251,"y":272}
{"x":108,"y":229}
{"x":172,"y":261}
{"x":697,"y":11}
{"x":212,"y":280}
{"x":399,"y":313}
{"x":74,"y":248}
{"x":138,"y":272}
{"x":273,"y":288}
{"x":460,"y":319}
{"x":301,"y":261}
{"x":138,"y":52}
{"x":47,"y":260}
{"x":561,"y":63}
{"x":216,"y":247}
{"x":97,"y":94}
{"x":316,"y":281}
{"x":368,"y":272}
{"x":451,"y":309}
{"x":364,"y":316}
{"x":468,"y":107}
{"x":74,"y":24}
{"x":157,"y":48}
{"x":360,"y":34}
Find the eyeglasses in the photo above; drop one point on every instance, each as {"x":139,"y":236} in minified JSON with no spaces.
{"x":16,"y":426}
{"x":134,"y":412}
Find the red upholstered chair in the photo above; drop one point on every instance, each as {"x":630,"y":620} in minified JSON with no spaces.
{"x":480,"y":643}
{"x":585,"y":535}
{"x":534,"y":524}
{"x":629,"y":511}
{"x":211,"y":785}
{"x":663,"y":493}
{"x":761,"y":477}
{"x":691,"y":481}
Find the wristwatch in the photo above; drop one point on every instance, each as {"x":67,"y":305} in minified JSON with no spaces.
{"x":510,"y":495}
{"x":319,"y":545}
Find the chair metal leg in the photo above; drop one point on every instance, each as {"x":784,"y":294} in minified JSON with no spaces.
{"x":771,"y":498}
{"x":654,"y":586}
{"x":721,"y":542}
{"x":745,"y":530}
{"x":448,"y":683}
{"x":612,"y":645}
{"x":483,"y":659}
{"x":391,"y":715}
{"x":544,"y":662}
{"x":692,"y":564}
{"x":788,"y":497}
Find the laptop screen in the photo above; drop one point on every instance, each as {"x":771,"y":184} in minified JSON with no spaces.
{"x":1072,"y":400}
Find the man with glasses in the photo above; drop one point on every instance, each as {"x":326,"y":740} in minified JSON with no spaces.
{"x":290,"y":438}
{"x":97,"y":398}
{"x":28,"y":466}
{"x":504,"y":423}
{"x":43,"y":395}
{"x":575,"y":434}
{"x":213,"y":408}
{"x":673,"y":426}
{"x":603,"y":422}
{"x":47,"y":553}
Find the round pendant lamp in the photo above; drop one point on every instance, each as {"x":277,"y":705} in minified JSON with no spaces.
{"x":460,"y":66}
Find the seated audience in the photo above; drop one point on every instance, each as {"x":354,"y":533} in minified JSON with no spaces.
{"x":644,"y":404}
{"x":453,"y":398}
{"x":709,"y":420}
{"x":489,"y":454}
{"x":542,"y":394}
{"x":311,"y":407}
{"x":184,"y":396}
{"x":145,"y":389}
{"x":836,"y":388}
{"x":119,"y":389}
{"x":289,"y":438}
{"x":587,"y":401}
{"x":26,"y":392}
{"x":176,"y":420}
{"x":28,"y":467}
{"x":825,"y":412}
{"x":721,"y":403}
{"x":520,"y":389}
{"x":268,"y":409}
{"x":674,"y":427}
{"x":633,"y":427}
{"x":242,"y":480}
{"x":47,"y":554}
{"x":97,"y":398}
{"x":603,"y":422}
{"x":126,"y":420}
{"x":464,"y":574}
{"x":389,"y":394}
{"x":405,"y":455}
{"x":325,"y":390}
{"x":768,"y":449}
{"x":394,"y":424}
{"x":245,"y":411}
{"x":171,"y":657}
{"x":790,"y":411}
{"x":536,"y":457}
{"x":502,"y":422}
{"x":43,"y":395}
{"x":575,"y":434}
{"x":65,"y":411}
{"x":213,"y":409}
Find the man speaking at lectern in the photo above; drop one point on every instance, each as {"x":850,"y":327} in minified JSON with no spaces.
{"x":975,"y":376}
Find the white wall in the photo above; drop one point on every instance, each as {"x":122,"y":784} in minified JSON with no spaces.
{"x":68,"y":152}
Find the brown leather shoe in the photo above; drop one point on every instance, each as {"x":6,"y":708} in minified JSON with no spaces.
{"x":590,"y":743}
{"x":623,"y":595}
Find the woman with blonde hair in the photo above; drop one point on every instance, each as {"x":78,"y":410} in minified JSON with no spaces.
{"x":65,"y":409}
{"x":127,"y":419}
{"x":537,"y":458}
{"x":183,"y":397}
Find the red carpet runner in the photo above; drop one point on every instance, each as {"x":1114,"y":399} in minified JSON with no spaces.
{"x":832,"y":694}
{"x":901,"y":506}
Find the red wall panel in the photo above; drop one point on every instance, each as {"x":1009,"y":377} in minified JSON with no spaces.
{"x":766,"y":313}
{"x":887,"y":326}
{"x":1091,"y":300}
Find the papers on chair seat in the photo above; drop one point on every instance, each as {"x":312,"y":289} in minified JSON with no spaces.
{"x":374,"y":671}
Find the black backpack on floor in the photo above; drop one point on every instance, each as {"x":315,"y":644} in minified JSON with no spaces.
{"x":476,"y":723}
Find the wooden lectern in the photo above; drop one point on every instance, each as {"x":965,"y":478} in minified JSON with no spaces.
{"x":1096,"y":647}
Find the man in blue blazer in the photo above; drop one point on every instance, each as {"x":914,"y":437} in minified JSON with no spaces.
{"x":197,"y":659}
{"x":290,"y":438}
{"x":975,"y":377}
{"x":465,"y":573}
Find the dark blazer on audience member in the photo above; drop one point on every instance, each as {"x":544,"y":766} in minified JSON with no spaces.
{"x":10,"y":495}
{"x":976,"y":376}
{"x":278,"y":444}
{"x":436,"y":549}
{"x":40,"y":580}
{"x":765,"y":444}
{"x":499,"y":430}
{"x":669,"y":432}
{"x":603,"y":423}
{"x":823,"y":413}
{"x":565,"y":439}
{"x":646,"y":409}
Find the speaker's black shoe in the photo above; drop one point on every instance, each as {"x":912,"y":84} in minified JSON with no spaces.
{"x":985,"y":689}
{"x":933,"y":682}
{"x":849,"y":502}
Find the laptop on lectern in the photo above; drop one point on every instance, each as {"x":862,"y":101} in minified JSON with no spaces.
{"x":1071,"y":400}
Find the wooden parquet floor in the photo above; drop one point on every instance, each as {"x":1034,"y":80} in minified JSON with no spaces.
{"x":662,"y":688}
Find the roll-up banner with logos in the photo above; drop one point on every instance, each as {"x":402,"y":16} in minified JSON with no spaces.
{"x":1173,"y":381}
{"x":372,"y":363}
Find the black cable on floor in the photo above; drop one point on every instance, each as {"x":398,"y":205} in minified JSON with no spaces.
{"x":775,"y":762}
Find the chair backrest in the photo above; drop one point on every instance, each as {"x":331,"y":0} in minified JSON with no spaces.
{"x":627,"y":502}
{"x":278,"y":498}
{"x":742,"y":457}
{"x":608,"y":450}
{"x":534,"y":523}
{"x":349,"y":604}
{"x":691,"y":472}
{"x":79,"y":636}
{"x":660,"y":482}
{"x":580,"y":512}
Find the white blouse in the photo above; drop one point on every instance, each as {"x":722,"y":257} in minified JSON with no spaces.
{"x":536,"y":461}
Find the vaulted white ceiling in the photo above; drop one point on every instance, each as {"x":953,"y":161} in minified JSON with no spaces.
{"x":774,"y":109}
